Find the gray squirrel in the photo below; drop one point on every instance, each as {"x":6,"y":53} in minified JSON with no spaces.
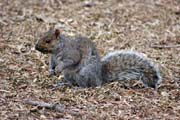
{"x":77,"y":59}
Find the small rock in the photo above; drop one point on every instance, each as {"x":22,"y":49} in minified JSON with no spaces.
{"x":88,"y":4}
{"x":164,"y":94}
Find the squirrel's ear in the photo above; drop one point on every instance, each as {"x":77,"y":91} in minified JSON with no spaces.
{"x":57,"y":32}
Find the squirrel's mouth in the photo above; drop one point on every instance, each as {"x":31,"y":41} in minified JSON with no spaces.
{"x":43,"y":50}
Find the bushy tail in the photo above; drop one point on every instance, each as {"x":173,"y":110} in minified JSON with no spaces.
{"x":128,"y":65}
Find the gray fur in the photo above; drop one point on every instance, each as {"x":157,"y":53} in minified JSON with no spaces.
{"x":129,"y":65}
{"x":78,"y":60}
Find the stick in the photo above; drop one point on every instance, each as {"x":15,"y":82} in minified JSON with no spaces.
{"x":165,"y":46}
{"x":1,"y":90}
{"x":56,"y":107}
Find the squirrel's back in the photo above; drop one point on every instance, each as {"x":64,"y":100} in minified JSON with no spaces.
{"x":129,"y":65}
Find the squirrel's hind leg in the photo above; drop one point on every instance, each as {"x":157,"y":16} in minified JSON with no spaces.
{"x":89,"y":76}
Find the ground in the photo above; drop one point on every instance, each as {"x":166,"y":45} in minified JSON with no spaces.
{"x":151,"y":27}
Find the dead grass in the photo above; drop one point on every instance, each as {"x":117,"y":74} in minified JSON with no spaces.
{"x":112,"y":25}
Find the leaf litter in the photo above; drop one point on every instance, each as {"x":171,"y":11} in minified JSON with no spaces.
{"x":150,"y":27}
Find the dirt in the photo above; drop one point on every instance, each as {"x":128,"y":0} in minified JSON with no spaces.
{"x":151,"y":27}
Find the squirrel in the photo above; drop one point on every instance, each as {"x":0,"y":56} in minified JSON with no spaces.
{"x":78,"y":60}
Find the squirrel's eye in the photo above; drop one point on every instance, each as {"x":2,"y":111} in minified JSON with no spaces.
{"x":48,"y":40}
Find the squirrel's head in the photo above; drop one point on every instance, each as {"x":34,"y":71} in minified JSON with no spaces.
{"x":48,"y":41}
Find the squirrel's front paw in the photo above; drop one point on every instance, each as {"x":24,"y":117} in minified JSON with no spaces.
{"x":58,"y":69}
{"x":51,"y":72}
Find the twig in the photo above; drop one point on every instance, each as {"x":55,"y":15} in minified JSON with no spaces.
{"x":57,"y":107}
{"x":164,"y":46}
{"x":1,"y":90}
